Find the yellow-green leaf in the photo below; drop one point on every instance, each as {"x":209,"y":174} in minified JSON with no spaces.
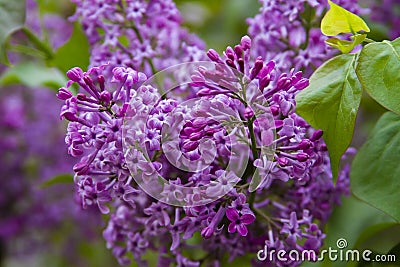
{"x":346,"y":46}
{"x":339,"y":20}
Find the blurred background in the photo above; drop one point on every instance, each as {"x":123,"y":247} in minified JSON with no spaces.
{"x":41,"y":223}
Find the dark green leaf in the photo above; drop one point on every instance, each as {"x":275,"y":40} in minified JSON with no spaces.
{"x":59,"y":179}
{"x":378,"y":69}
{"x":331,"y":103}
{"x":375,"y":172}
{"x":12,"y":17}
{"x":33,"y":75}
{"x":74,"y":53}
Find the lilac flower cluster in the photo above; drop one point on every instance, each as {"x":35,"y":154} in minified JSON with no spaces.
{"x":289,"y":32}
{"x":293,"y":200}
{"x":387,"y":12}
{"x":145,"y":34}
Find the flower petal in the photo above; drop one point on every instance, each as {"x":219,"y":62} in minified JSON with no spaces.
{"x":103,"y":208}
{"x":232,"y":227}
{"x":247,"y":218}
{"x":232,"y":214}
{"x":242,"y":229}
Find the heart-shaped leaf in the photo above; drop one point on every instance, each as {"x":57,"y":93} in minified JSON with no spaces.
{"x":331,"y":103}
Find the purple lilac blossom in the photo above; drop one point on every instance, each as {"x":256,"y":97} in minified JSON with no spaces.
{"x":299,"y":186}
{"x":142,"y":34}
{"x":288,"y":32}
{"x":287,"y":211}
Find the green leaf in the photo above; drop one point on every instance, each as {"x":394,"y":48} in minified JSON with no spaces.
{"x":331,"y":103}
{"x":338,"y":20}
{"x":40,"y":45}
{"x":33,"y":75}
{"x":378,"y":69}
{"x":375,"y":170}
{"x":74,"y":53}
{"x":65,"y":178}
{"x":346,"y":46}
{"x":12,"y":18}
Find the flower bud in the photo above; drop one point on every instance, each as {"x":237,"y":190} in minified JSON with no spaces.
{"x":105,"y":96}
{"x":305,"y":144}
{"x":64,"y":93}
{"x":316,"y":135}
{"x":213,"y":55}
{"x":248,"y":113}
{"x":75,"y":74}
{"x":245,"y":42}
{"x":302,"y":157}
{"x":257,"y":67}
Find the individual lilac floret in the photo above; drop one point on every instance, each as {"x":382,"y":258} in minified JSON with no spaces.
{"x":239,"y":222}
